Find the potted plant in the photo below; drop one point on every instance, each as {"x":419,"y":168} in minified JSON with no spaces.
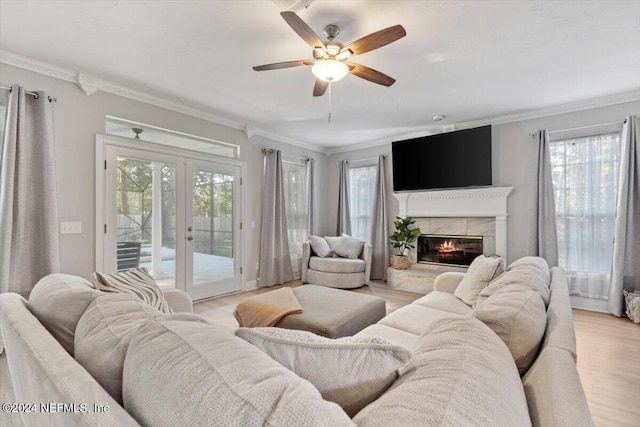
{"x":403,"y":239}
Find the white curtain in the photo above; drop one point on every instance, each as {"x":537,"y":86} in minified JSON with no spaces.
{"x":362,"y":190}
{"x":344,"y":216}
{"x":585,"y":180}
{"x":294,"y":178}
{"x":311,"y":198}
{"x":379,"y":231}
{"x":547,"y":235}
{"x":29,"y":247}
{"x":275,"y":262}
{"x":625,"y":272}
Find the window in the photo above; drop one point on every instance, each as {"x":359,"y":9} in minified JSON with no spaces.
{"x":362,"y":187}
{"x":294,"y":177}
{"x":171,"y":138}
{"x":585,"y":178}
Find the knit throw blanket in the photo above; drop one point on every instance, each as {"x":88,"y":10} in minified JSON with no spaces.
{"x":267,"y":309}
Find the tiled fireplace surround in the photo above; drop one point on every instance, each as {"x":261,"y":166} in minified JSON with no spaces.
{"x":471,"y":212}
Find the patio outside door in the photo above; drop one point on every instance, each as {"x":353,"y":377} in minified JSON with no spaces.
{"x":179,"y":217}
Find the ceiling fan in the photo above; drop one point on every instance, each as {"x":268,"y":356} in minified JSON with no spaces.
{"x":331,"y":59}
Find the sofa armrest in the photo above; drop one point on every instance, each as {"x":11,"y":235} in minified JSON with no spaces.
{"x":179,"y":301}
{"x":365,"y":255}
{"x":448,"y":282}
{"x":306,"y":254}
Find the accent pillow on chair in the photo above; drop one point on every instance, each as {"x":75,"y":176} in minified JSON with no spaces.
{"x":137,"y":282}
{"x":348,"y":247}
{"x":481,"y":271}
{"x":320,"y":246}
{"x":350,"y":371}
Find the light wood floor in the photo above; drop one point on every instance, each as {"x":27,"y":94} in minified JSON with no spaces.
{"x":608,"y":351}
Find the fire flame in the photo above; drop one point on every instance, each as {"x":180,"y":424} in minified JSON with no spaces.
{"x":448,"y":246}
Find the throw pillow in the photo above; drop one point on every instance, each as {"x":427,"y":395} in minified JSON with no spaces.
{"x":332,"y":241}
{"x":179,"y":373}
{"x":350,"y":371}
{"x":137,"y":282}
{"x":348,"y":247}
{"x":481,"y":271}
{"x":320,"y":246}
{"x":530,"y":272}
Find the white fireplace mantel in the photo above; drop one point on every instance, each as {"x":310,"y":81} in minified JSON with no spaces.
{"x":465,"y":202}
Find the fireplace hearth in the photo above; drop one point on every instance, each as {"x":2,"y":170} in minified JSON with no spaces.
{"x":448,"y":250}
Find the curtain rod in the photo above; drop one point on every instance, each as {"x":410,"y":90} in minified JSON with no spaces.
{"x":580,"y":127}
{"x":271,"y":150}
{"x":364,"y":160}
{"x":34,"y":94}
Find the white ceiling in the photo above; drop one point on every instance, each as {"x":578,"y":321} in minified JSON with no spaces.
{"x":468,"y":60}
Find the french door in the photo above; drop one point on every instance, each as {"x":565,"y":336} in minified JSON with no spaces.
{"x":176,"y":215}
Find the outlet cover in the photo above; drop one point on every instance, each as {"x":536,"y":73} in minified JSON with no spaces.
{"x":70,"y":227}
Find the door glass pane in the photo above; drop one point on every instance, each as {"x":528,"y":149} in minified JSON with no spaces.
{"x":146,"y":210}
{"x":212,"y":226}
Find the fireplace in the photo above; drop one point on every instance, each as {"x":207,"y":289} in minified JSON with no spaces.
{"x":448,"y":250}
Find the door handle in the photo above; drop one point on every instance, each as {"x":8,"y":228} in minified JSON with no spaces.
{"x":189,"y":238}
{"x":189,"y":228}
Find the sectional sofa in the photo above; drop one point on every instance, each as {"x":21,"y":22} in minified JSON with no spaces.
{"x":71,"y":344}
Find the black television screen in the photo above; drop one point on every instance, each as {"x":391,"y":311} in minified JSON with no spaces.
{"x":446,"y":160}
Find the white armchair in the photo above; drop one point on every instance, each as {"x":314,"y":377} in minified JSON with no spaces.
{"x":343,"y":273}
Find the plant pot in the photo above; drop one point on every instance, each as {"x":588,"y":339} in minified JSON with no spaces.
{"x":400,"y":262}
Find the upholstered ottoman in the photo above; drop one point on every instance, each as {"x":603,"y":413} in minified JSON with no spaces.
{"x":333,"y":313}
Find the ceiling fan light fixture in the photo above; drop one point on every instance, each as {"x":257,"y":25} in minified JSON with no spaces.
{"x":330,"y":70}
{"x":344,"y":54}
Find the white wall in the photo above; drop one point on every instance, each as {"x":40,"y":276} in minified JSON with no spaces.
{"x":514,"y":158}
{"x":78,"y":118}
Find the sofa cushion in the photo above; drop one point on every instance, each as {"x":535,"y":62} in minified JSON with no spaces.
{"x":444,"y":301}
{"x":194,"y":374}
{"x":481,"y":271}
{"x":348,"y":247}
{"x":530,"y":272}
{"x":560,"y":332}
{"x":58,"y":301}
{"x":320,"y":246}
{"x":103,"y":335}
{"x":414,"y":318}
{"x":517,"y":315}
{"x":393,"y":335}
{"x":460,"y":374}
{"x":137,"y":282}
{"x":337,"y":265}
{"x":349,"y":371}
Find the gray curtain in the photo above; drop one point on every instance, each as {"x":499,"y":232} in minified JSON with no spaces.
{"x":275,"y":261}
{"x":625,"y":270}
{"x":379,"y":230}
{"x":344,"y":216}
{"x":29,"y":246}
{"x":547,"y":233}
{"x":311,"y":198}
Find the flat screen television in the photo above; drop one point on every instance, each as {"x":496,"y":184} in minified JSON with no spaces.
{"x":446,"y":160}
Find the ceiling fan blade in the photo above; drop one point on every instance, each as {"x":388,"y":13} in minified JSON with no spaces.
{"x":278,"y":65}
{"x":377,"y":39}
{"x":320,"y":87}
{"x":370,"y":74}
{"x":302,"y":29}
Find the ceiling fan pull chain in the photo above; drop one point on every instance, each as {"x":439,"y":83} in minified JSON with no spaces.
{"x":329,"y":120}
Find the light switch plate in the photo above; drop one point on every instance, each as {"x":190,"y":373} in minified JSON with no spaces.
{"x":70,"y":227}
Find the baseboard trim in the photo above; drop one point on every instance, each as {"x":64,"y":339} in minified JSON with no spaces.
{"x":250,"y":285}
{"x":589,"y":304}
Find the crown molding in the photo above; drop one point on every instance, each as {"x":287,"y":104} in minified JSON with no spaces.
{"x":605,"y":101}
{"x":90,"y":84}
